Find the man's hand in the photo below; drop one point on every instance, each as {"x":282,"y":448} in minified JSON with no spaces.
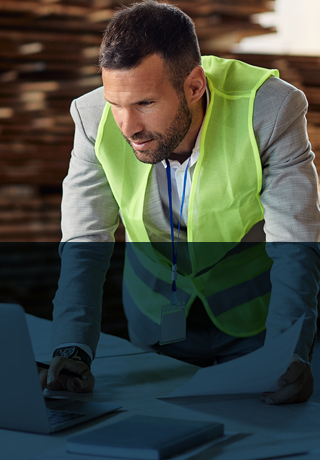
{"x":53,"y":379}
{"x":296,"y":384}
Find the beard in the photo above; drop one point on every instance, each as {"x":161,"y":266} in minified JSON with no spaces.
{"x":166,"y":142}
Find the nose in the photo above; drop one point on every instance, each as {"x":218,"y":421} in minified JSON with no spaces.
{"x":129,"y":123}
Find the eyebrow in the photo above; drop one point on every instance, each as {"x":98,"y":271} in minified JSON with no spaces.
{"x":111,"y":103}
{"x":148,"y":99}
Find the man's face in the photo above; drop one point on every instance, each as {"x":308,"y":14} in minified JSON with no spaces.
{"x":151,"y":116}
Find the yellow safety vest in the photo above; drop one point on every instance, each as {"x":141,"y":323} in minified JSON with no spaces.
{"x":231,"y":279}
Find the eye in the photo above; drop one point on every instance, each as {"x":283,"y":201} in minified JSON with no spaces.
{"x":145,"y":103}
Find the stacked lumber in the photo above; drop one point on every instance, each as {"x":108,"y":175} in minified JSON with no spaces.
{"x":222,"y":23}
{"x":48,"y":56}
{"x":302,"y":72}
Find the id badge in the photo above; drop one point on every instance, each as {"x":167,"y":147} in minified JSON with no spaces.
{"x":173,"y":323}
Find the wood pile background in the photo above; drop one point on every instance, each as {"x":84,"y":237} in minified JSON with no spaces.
{"x":48,"y":56}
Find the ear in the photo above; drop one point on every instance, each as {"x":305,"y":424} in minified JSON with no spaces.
{"x":195,"y":85}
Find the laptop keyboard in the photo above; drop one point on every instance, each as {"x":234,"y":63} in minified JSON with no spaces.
{"x":59,"y":416}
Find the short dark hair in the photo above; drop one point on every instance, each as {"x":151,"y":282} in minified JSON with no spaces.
{"x":147,"y":28}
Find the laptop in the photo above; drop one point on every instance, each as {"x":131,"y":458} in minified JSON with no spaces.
{"x":22,"y":404}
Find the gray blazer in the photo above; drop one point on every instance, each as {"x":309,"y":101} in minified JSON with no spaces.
{"x":289,"y":196}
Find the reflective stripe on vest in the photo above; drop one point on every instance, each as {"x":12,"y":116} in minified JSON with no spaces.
{"x":236,"y":300}
{"x":224,"y":205}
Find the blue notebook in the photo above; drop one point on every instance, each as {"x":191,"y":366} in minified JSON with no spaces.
{"x":145,"y":438}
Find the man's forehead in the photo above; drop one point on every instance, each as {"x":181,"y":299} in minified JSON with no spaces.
{"x":151,"y":70}
{"x":146,"y":80}
{"x":136,"y":90}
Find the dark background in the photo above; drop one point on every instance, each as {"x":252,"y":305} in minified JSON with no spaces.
{"x":29,"y":274}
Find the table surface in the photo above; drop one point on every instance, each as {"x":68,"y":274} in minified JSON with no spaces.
{"x":134,"y":379}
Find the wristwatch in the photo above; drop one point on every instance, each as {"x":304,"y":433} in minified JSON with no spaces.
{"x":73,"y":352}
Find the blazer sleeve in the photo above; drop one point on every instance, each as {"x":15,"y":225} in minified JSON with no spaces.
{"x":291,"y":210}
{"x":90,"y":216}
{"x":89,"y":210}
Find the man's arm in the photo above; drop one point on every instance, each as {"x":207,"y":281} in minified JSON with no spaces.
{"x":90,"y":217}
{"x":292,"y":224}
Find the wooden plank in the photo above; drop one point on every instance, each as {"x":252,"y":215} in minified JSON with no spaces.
{"x":36,"y":138}
{"x":223,"y":42}
{"x":234,"y":8}
{"x":49,"y":37}
{"x":9,"y":151}
{"x":245,"y":28}
{"x":48,"y":23}
{"x":314,"y":119}
{"x":42,"y":9}
{"x":70,"y":88}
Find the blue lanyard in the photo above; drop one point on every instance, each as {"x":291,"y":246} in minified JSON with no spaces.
{"x":175,"y":249}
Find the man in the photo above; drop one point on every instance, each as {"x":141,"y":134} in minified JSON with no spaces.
{"x":213,"y":152}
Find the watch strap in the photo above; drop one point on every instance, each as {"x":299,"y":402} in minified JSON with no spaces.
{"x":73,"y":352}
